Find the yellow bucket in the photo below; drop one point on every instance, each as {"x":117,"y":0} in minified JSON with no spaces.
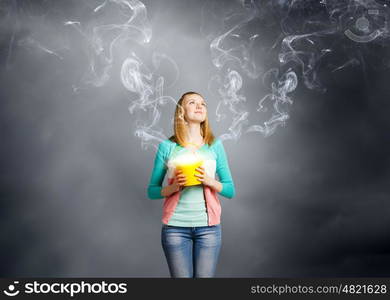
{"x":189,"y":171}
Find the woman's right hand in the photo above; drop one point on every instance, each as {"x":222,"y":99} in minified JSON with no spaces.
{"x":179,"y":180}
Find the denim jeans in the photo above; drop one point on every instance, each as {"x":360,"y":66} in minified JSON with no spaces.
{"x":191,"y":251}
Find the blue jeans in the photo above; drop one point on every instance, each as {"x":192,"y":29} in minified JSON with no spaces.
{"x":191,"y":251}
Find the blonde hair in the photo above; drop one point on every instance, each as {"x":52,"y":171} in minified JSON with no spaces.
{"x":180,"y":129}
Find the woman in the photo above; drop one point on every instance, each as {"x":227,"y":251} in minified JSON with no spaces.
{"x":191,"y":229}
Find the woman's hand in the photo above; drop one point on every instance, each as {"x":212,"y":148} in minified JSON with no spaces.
{"x":179,"y":180}
{"x":207,"y":180}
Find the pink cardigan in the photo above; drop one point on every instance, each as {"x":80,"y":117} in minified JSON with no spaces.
{"x":213,"y":205}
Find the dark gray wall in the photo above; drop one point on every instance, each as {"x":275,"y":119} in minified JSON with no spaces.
{"x":312,"y":195}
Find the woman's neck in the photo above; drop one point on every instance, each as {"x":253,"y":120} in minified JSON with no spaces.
{"x":194,"y":134}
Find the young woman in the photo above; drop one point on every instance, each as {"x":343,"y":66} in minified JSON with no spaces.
{"x":191,"y":229}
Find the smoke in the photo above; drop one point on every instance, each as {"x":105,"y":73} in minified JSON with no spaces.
{"x":279,"y":99}
{"x":305,"y":49}
{"x":145,"y":84}
{"x":103,"y":38}
{"x":257,"y":48}
{"x":232,"y":53}
{"x":149,"y":89}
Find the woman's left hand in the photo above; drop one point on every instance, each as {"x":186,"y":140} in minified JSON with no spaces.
{"x":204,"y":178}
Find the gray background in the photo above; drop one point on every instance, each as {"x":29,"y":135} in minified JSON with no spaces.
{"x":311,"y":199}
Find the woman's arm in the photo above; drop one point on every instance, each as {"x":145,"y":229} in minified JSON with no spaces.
{"x":223,"y":171}
{"x":226,"y":186}
{"x":216,"y":185}
{"x":159,"y":170}
{"x":155,"y":189}
{"x":169,"y":190}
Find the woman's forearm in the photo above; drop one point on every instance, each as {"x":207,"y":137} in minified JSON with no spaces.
{"x":167,"y":190}
{"x":217,"y":186}
{"x":170,"y":189}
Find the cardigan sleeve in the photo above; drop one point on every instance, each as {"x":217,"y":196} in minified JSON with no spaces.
{"x":223,"y":171}
{"x":158,"y":173}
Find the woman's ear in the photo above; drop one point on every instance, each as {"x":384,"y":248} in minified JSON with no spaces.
{"x":181,"y":113}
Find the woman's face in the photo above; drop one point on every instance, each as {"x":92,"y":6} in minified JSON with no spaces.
{"x":195,"y":108}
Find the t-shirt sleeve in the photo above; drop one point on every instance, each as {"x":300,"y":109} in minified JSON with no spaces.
{"x":158,"y":173}
{"x":223,"y":171}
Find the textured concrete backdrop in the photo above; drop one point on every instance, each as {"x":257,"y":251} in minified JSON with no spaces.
{"x":312,"y":196}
